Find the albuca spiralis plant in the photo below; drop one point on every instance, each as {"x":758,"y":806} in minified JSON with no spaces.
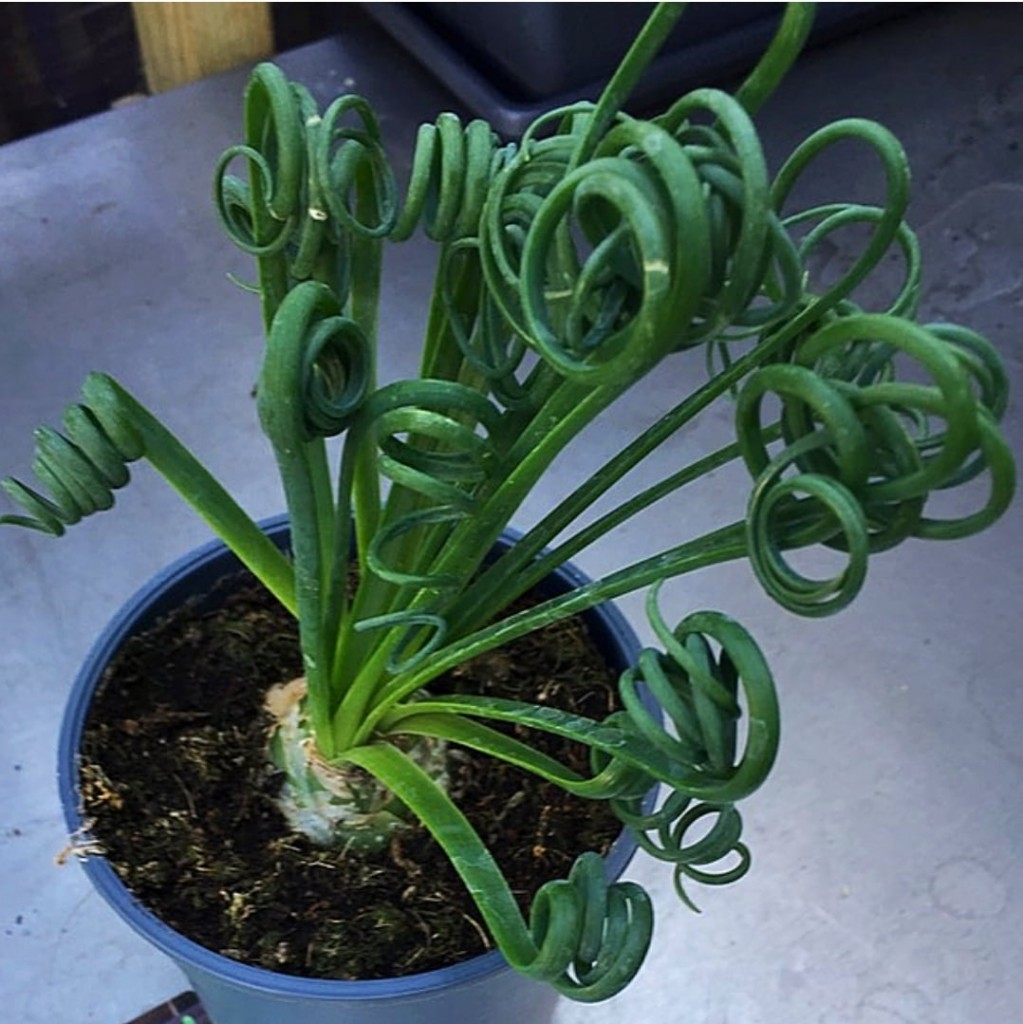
{"x":569,"y":265}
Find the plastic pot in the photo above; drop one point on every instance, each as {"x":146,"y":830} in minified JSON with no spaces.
{"x":483,"y":990}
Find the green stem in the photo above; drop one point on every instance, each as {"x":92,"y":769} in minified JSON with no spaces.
{"x":302,"y":462}
{"x":635,"y":62}
{"x":367,"y":266}
{"x":510,"y":577}
{"x":599,"y":483}
{"x":722,"y":545}
{"x":472,"y":860}
{"x":205,"y":494}
{"x":779,"y":57}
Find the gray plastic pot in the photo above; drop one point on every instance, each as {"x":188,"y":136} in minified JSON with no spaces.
{"x":484,"y":990}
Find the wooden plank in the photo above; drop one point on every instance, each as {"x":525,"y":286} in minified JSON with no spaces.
{"x":182,"y":42}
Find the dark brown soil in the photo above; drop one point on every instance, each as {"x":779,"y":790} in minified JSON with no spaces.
{"x":176,"y":783}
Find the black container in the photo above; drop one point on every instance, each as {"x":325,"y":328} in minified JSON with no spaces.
{"x":509,"y":62}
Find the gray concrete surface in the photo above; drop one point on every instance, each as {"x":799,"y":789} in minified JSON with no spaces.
{"x":888,"y":878}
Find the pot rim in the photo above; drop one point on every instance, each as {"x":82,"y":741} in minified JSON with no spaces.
{"x":178,"y":946}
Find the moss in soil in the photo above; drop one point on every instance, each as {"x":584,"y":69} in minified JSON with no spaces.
{"x":179,"y":794}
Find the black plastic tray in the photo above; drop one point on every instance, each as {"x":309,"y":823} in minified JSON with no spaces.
{"x":509,"y":62}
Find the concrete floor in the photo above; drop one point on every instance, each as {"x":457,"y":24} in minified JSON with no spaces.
{"x":888,"y":877}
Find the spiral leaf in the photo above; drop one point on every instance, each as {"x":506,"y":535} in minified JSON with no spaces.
{"x":778,"y":518}
{"x":475,"y":324}
{"x":591,"y":936}
{"x":663,"y":834}
{"x":452,"y":168}
{"x":888,"y":223}
{"x":317,"y":369}
{"x":82,"y":467}
{"x":864,"y":450}
{"x":316,"y":182}
{"x":428,"y":432}
{"x":699,"y":694}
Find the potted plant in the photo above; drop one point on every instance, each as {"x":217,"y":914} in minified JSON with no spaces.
{"x":570,"y":266}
